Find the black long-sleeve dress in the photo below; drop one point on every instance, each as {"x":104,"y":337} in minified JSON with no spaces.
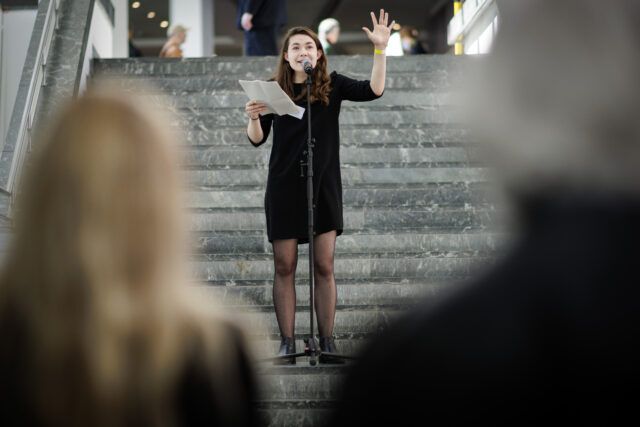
{"x":286,"y":198}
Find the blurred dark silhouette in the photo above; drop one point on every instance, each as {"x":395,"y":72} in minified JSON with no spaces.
{"x":97,"y":324}
{"x":134,"y":51}
{"x":550,"y":335}
{"x":261,"y":20}
{"x":411,"y":44}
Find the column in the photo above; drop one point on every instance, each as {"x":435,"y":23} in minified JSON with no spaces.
{"x":197,"y":15}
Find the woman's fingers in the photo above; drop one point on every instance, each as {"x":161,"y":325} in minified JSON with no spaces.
{"x":254,"y":107}
{"x":374,"y":19}
{"x":254,"y":103}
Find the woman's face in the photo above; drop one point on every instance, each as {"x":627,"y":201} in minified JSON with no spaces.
{"x":301,"y":47}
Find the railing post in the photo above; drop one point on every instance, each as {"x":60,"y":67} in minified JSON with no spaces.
{"x":459,"y":46}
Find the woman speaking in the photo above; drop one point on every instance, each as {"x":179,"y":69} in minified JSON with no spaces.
{"x":285,"y":199}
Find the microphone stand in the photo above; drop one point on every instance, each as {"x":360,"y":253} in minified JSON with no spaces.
{"x":312,"y":349}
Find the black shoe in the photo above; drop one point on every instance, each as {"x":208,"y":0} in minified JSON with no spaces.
{"x":287,"y":346}
{"x":328,"y":346}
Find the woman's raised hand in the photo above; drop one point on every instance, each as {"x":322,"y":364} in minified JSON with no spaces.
{"x":381,"y":30}
{"x":254,"y":108}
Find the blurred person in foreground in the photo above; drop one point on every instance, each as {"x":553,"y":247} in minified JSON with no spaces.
{"x":550,"y":335}
{"x":97,"y":324}
{"x":172,"y":48}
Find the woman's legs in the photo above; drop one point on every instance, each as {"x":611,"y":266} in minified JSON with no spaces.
{"x":326,"y":294}
{"x":285,"y":257}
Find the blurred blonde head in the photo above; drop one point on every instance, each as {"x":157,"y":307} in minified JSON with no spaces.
{"x":559,"y":98}
{"x":95,"y":278}
{"x":179,"y":31}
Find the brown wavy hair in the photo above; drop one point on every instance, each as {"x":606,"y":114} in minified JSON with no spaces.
{"x":321,"y":81}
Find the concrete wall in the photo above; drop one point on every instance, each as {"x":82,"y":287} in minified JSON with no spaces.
{"x":101,"y":38}
{"x":197,"y":15}
{"x":110,"y":38}
{"x":121,"y":29}
{"x":15,"y":32}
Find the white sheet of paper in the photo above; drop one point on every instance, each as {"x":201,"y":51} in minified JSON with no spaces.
{"x":273,"y":96}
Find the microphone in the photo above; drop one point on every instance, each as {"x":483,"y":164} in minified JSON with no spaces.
{"x":308,"y":68}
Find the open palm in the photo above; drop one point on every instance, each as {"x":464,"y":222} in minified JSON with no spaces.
{"x":381,"y":31}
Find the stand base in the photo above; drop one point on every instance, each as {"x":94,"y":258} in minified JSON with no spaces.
{"x":312,"y":350}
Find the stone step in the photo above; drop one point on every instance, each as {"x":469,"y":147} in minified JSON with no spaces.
{"x":212,"y":83}
{"x":401,"y":196}
{"x":216,"y":157}
{"x":391,"y":241}
{"x":416,"y":207}
{"x":423,"y":266}
{"x":301,"y":382}
{"x":448,"y":65}
{"x":363,"y":293}
{"x":362,"y":115}
{"x":350,"y":136}
{"x":179,"y":99}
{"x":290,"y":413}
{"x":355,"y":219}
{"x":263,"y":348}
{"x":350,"y":176}
{"x":363,"y":321}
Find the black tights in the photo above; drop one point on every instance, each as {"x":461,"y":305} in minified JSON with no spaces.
{"x":285,"y":256}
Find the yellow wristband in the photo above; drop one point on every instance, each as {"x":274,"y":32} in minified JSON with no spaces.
{"x":378,"y":52}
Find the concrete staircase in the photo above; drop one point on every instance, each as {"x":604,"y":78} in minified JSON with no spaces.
{"x":416,"y":213}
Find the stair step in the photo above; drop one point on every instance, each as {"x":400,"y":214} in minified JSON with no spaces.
{"x":302,"y":413}
{"x":216,"y":157}
{"x":417,"y":207}
{"x":401,"y":196}
{"x":350,"y":176}
{"x":350,"y":136}
{"x":447,"y":65}
{"x":362,"y":115}
{"x":355,"y":219}
{"x":405,"y":266}
{"x":212,"y":83}
{"x":363,"y":294}
{"x":363,"y":321}
{"x":180,"y":99}
{"x":392,"y":241}
{"x":264,"y":348}
{"x":302,"y":382}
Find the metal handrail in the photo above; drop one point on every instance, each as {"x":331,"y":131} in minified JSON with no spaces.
{"x":37,"y":80}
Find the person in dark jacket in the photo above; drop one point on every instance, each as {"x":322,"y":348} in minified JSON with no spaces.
{"x":261,"y":20}
{"x":550,"y":335}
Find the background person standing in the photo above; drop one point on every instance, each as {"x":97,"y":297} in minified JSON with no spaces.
{"x":329,"y":33}
{"x":177,"y":36}
{"x":260,"y":20}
